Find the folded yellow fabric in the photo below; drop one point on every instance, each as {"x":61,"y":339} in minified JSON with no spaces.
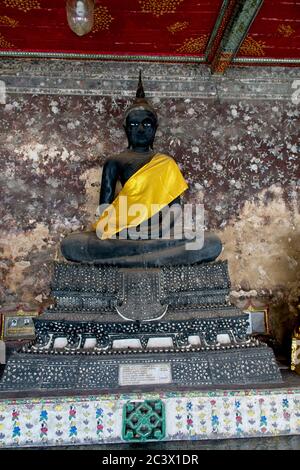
{"x":144,"y":194}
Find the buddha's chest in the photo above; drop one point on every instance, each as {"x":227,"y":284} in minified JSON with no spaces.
{"x":130,"y":166}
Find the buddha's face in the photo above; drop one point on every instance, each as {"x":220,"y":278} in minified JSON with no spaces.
{"x":140,"y":129}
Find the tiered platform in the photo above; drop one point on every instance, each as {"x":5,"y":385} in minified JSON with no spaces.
{"x":113,"y":327}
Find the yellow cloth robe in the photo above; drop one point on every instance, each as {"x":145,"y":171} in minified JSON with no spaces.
{"x":153,"y":187}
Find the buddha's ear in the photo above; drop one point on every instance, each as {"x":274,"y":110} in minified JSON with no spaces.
{"x":155,"y":129}
{"x":128,"y":139}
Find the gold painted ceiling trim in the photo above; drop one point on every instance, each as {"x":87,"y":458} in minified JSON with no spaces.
{"x":265,"y":60}
{"x":70,"y":55}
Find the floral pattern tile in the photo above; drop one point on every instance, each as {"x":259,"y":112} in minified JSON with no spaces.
{"x":189,"y":416}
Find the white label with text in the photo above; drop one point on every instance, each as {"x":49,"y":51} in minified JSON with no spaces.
{"x":143,"y":374}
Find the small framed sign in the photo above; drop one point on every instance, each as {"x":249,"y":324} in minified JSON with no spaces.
{"x":18,"y":325}
{"x":295,"y":355}
{"x":2,"y":352}
{"x":259,"y":323}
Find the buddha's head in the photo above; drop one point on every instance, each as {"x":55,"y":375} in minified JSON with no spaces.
{"x":140,"y":122}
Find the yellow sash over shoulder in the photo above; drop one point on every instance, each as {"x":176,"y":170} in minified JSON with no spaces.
{"x":144,"y":194}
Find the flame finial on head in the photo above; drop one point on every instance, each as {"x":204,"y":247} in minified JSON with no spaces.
{"x":140,"y":102}
{"x":140,"y":89}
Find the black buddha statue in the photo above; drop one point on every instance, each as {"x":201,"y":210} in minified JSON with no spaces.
{"x":132,"y":230}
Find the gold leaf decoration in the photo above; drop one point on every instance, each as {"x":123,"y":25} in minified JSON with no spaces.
{"x":4,"y":43}
{"x":251,"y":47}
{"x":285,"y":30}
{"x":159,"y":7}
{"x":178,"y":26}
{"x":222,"y":63}
{"x":23,"y":5}
{"x":193,"y":45}
{"x":102,"y":19}
{"x":8,"y":21}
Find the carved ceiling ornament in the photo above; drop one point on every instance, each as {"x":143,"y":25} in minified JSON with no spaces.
{"x":178,"y":26}
{"x":102,"y":18}
{"x":8,"y":21}
{"x":4,"y":43}
{"x":23,"y":5}
{"x":159,"y":7}
{"x":251,"y":47}
{"x":193,"y":45}
{"x":285,"y":30}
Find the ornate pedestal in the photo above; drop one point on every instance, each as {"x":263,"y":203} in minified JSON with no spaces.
{"x":114,"y":328}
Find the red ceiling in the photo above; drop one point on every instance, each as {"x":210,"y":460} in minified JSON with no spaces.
{"x":146,"y":27}
{"x":134,"y":27}
{"x":275,"y":33}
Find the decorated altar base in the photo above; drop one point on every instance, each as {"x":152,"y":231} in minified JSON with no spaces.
{"x":198,"y":415}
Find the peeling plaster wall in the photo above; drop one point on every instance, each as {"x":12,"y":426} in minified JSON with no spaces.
{"x":240,"y":158}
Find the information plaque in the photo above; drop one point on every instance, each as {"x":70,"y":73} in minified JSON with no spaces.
{"x":143,"y":374}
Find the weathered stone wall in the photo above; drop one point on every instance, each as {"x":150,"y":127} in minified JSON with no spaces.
{"x":238,"y":150}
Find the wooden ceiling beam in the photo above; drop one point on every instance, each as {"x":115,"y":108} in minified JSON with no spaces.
{"x":231,"y":28}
